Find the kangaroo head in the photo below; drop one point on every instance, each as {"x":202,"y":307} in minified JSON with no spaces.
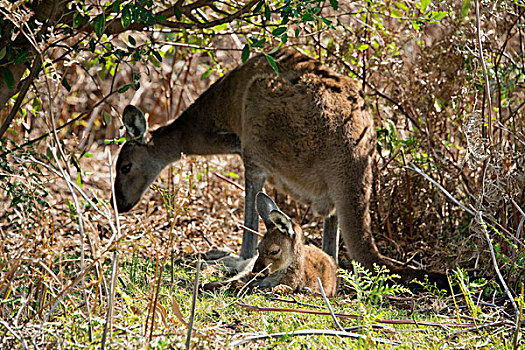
{"x":277,"y":248}
{"x":136,"y":165}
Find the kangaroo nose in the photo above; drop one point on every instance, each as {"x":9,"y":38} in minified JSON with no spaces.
{"x":260,"y":269}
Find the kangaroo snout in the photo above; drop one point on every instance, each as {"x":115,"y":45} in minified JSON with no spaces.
{"x":260,"y":269}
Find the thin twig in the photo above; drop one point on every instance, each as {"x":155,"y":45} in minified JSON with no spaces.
{"x":329,"y":306}
{"x":420,"y":172}
{"x":409,"y":200}
{"x":80,"y":219}
{"x":304,"y":332}
{"x":485,"y":76}
{"x":193,"y":303}
{"x":479,"y":218}
{"x":184,"y":81}
{"x":229,"y":181}
{"x":294,"y":301}
{"x":354,"y":317}
{"x":114,"y":265}
{"x":246,"y":228}
{"x":474,"y":329}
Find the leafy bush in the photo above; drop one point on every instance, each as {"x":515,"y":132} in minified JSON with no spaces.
{"x":371,"y":287}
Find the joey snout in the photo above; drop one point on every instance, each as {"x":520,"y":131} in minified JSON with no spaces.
{"x":260,"y":269}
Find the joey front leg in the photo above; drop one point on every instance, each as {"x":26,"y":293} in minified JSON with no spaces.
{"x":254,"y":182}
{"x":268,"y":282}
{"x":331,"y":237}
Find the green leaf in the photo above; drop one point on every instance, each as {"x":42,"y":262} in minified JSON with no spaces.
{"x":77,"y":20}
{"x":272,"y":63}
{"x":395,"y":13}
{"x":362,"y":47}
{"x":334,"y":4}
{"x":424,"y":5}
{"x":307,"y":17}
{"x":284,"y":38}
{"x":65,"y":83}
{"x":402,"y":6}
{"x":231,"y":174}
{"x":267,"y":13}
{"x":297,"y":32}
{"x":274,"y":50}
{"x":126,"y":16}
{"x":8,"y":78}
{"x":278,"y":31}
{"x":465,"y":7}
{"x":177,"y":13}
{"x":79,"y":179}
{"x":328,"y":22}
{"x":2,"y":52}
{"x":157,"y":55}
{"x":107,"y":118}
{"x":132,"y":40}
{"x":259,"y":6}
{"x":206,"y":73}
{"x":438,"y":15}
{"x":92,"y":45}
{"x":21,"y":57}
{"x":136,"y":80}
{"x":100,"y":22}
{"x":116,"y":6}
{"x":245,"y":53}
{"x":115,"y":141}
{"x":124,"y":89}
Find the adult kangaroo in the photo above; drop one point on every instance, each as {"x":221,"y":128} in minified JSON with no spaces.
{"x":305,"y":130}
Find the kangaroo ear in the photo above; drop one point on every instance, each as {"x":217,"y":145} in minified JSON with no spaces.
{"x":135,"y":123}
{"x":282,"y":222}
{"x":272,"y":215}
{"x":264,"y":206}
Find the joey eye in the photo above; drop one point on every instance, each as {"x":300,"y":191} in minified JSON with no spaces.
{"x":275,"y":252}
{"x":126,"y":168}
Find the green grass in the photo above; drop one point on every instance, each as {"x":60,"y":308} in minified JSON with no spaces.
{"x":220,"y":321}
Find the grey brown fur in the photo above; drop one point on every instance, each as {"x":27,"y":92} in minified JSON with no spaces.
{"x":306,"y":131}
{"x":285,"y":259}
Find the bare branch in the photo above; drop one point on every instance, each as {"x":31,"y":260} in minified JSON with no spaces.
{"x":329,"y":306}
{"x":304,"y":332}
{"x":116,"y":26}
{"x":193,"y":303}
{"x":487,"y":85}
{"x":21,"y":95}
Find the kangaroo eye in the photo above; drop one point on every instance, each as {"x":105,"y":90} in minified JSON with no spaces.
{"x":275,"y":252}
{"x":125,"y":169}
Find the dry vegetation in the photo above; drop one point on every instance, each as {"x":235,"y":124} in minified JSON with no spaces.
{"x":73,"y":275}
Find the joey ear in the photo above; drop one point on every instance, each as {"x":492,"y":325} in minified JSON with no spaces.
{"x":135,"y":123}
{"x":272,"y":215}
{"x":282,"y":222}
{"x":264,"y":206}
